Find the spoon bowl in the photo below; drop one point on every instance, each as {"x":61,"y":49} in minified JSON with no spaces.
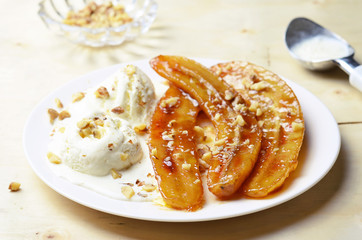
{"x":302,"y":33}
{"x":317,"y":48}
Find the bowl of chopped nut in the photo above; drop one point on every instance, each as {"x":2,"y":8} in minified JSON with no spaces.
{"x":98,"y":23}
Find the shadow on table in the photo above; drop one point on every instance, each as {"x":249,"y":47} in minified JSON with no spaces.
{"x":249,"y":226}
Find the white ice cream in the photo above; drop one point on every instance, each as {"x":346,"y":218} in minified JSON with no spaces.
{"x":117,"y":145}
{"x":99,"y":134}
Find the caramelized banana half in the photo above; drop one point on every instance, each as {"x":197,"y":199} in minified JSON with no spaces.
{"x":173,"y":150}
{"x":280,"y":116}
{"x":238,"y":136}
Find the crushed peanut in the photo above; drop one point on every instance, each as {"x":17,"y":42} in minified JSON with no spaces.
{"x":53,"y":158}
{"x":220,"y":142}
{"x":130,"y":70}
{"x":140,"y":129}
{"x":127,"y":191}
{"x":229,"y":95}
{"x":154,"y":152}
{"x":77,"y":96}
{"x":169,"y":102}
{"x":118,"y":110}
{"x":64,"y":114}
{"x":206,"y":157}
{"x":83,"y":123}
{"x":259,"y":112}
{"x":53,"y":114}
{"x":124,"y":156}
{"x":99,"y":122}
{"x":95,"y":15}
{"x":239,"y":121}
{"x":14,"y":186}
{"x":102,"y":92}
{"x":199,"y":131}
{"x":297,"y":126}
{"x":186,"y":166}
{"x":58,"y":103}
{"x":254,"y":106}
{"x":258,"y":86}
{"x":97,"y":133}
{"x":115,"y":174}
{"x":90,"y":127}
{"x":149,"y":187}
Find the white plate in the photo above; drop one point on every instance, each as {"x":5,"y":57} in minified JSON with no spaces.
{"x":319,"y":152}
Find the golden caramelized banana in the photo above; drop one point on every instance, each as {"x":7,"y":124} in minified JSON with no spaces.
{"x":238,"y":136}
{"x":173,"y":150}
{"x":280,"y":116}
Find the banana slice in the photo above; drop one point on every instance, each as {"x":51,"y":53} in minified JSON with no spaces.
{"x":280,"y":116}
{"x":173,"y":150}
{"x":238,"y":136}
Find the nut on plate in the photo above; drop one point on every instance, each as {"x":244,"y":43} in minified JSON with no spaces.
{"x":14,"y":186}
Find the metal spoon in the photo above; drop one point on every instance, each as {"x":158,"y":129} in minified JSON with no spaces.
{"x":319,"y":49}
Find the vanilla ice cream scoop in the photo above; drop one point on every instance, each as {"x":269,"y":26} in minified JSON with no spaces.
{"x":97,"y":144}
{"x":98,"y":133}
{"x":132,"y":95}
{"x":128,"y":94}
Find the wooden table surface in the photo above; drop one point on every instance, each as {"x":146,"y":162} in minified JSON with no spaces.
{"x":34,"y":62}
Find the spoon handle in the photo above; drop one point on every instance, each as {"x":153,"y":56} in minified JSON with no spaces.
{"x":355,"y":77}
{"x":354,"y":70}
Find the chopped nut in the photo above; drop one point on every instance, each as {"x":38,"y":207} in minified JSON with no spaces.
{"x":199,"y":131}
{"x":254,"y":106}
{"x":53,"y":114}
{"x":115,"y":174}
{"x":102,"y":92}
{"x":61,"y":130}
{"x":140,"y":183}
{"x":167,"y":137}
{"x":118,"y":110}
{"x":229,"y":95}
{"x":217,"y":116}
{"x":130,"y":70}
{"x":239,"y":107}
{"x":83,"y":123}
{"x":53,"y":158}
{"x":97,"y":133}
{"x":259,"y":112}
{"x":110,"y":146}
{"x":148,"y":187}
{"x":64,"y":114}
{"x":186,"y":166}
{"x":99,"y":122}
{"x":58,"y":103}
{"x":86,"y":132}
{"x":140,"y":129}
{"x":95,"y":15}
{"x":154,"y":152}
{"x":123,"y":156}
{"x":258,"y":86}
{"x":142,"y":194}
{"x":127,"y":191}
{"x":78,"y":96}
{"x":172,"y":123}
{"x":14,"y":186}
{"x":206,"y":157}
{"x":297,"y":126}
{"x":220,"y":142}
{"x":239,"y":121}
{"x":169,"y":102}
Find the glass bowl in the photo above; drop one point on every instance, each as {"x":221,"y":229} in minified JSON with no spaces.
{"x":142,"y":12}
